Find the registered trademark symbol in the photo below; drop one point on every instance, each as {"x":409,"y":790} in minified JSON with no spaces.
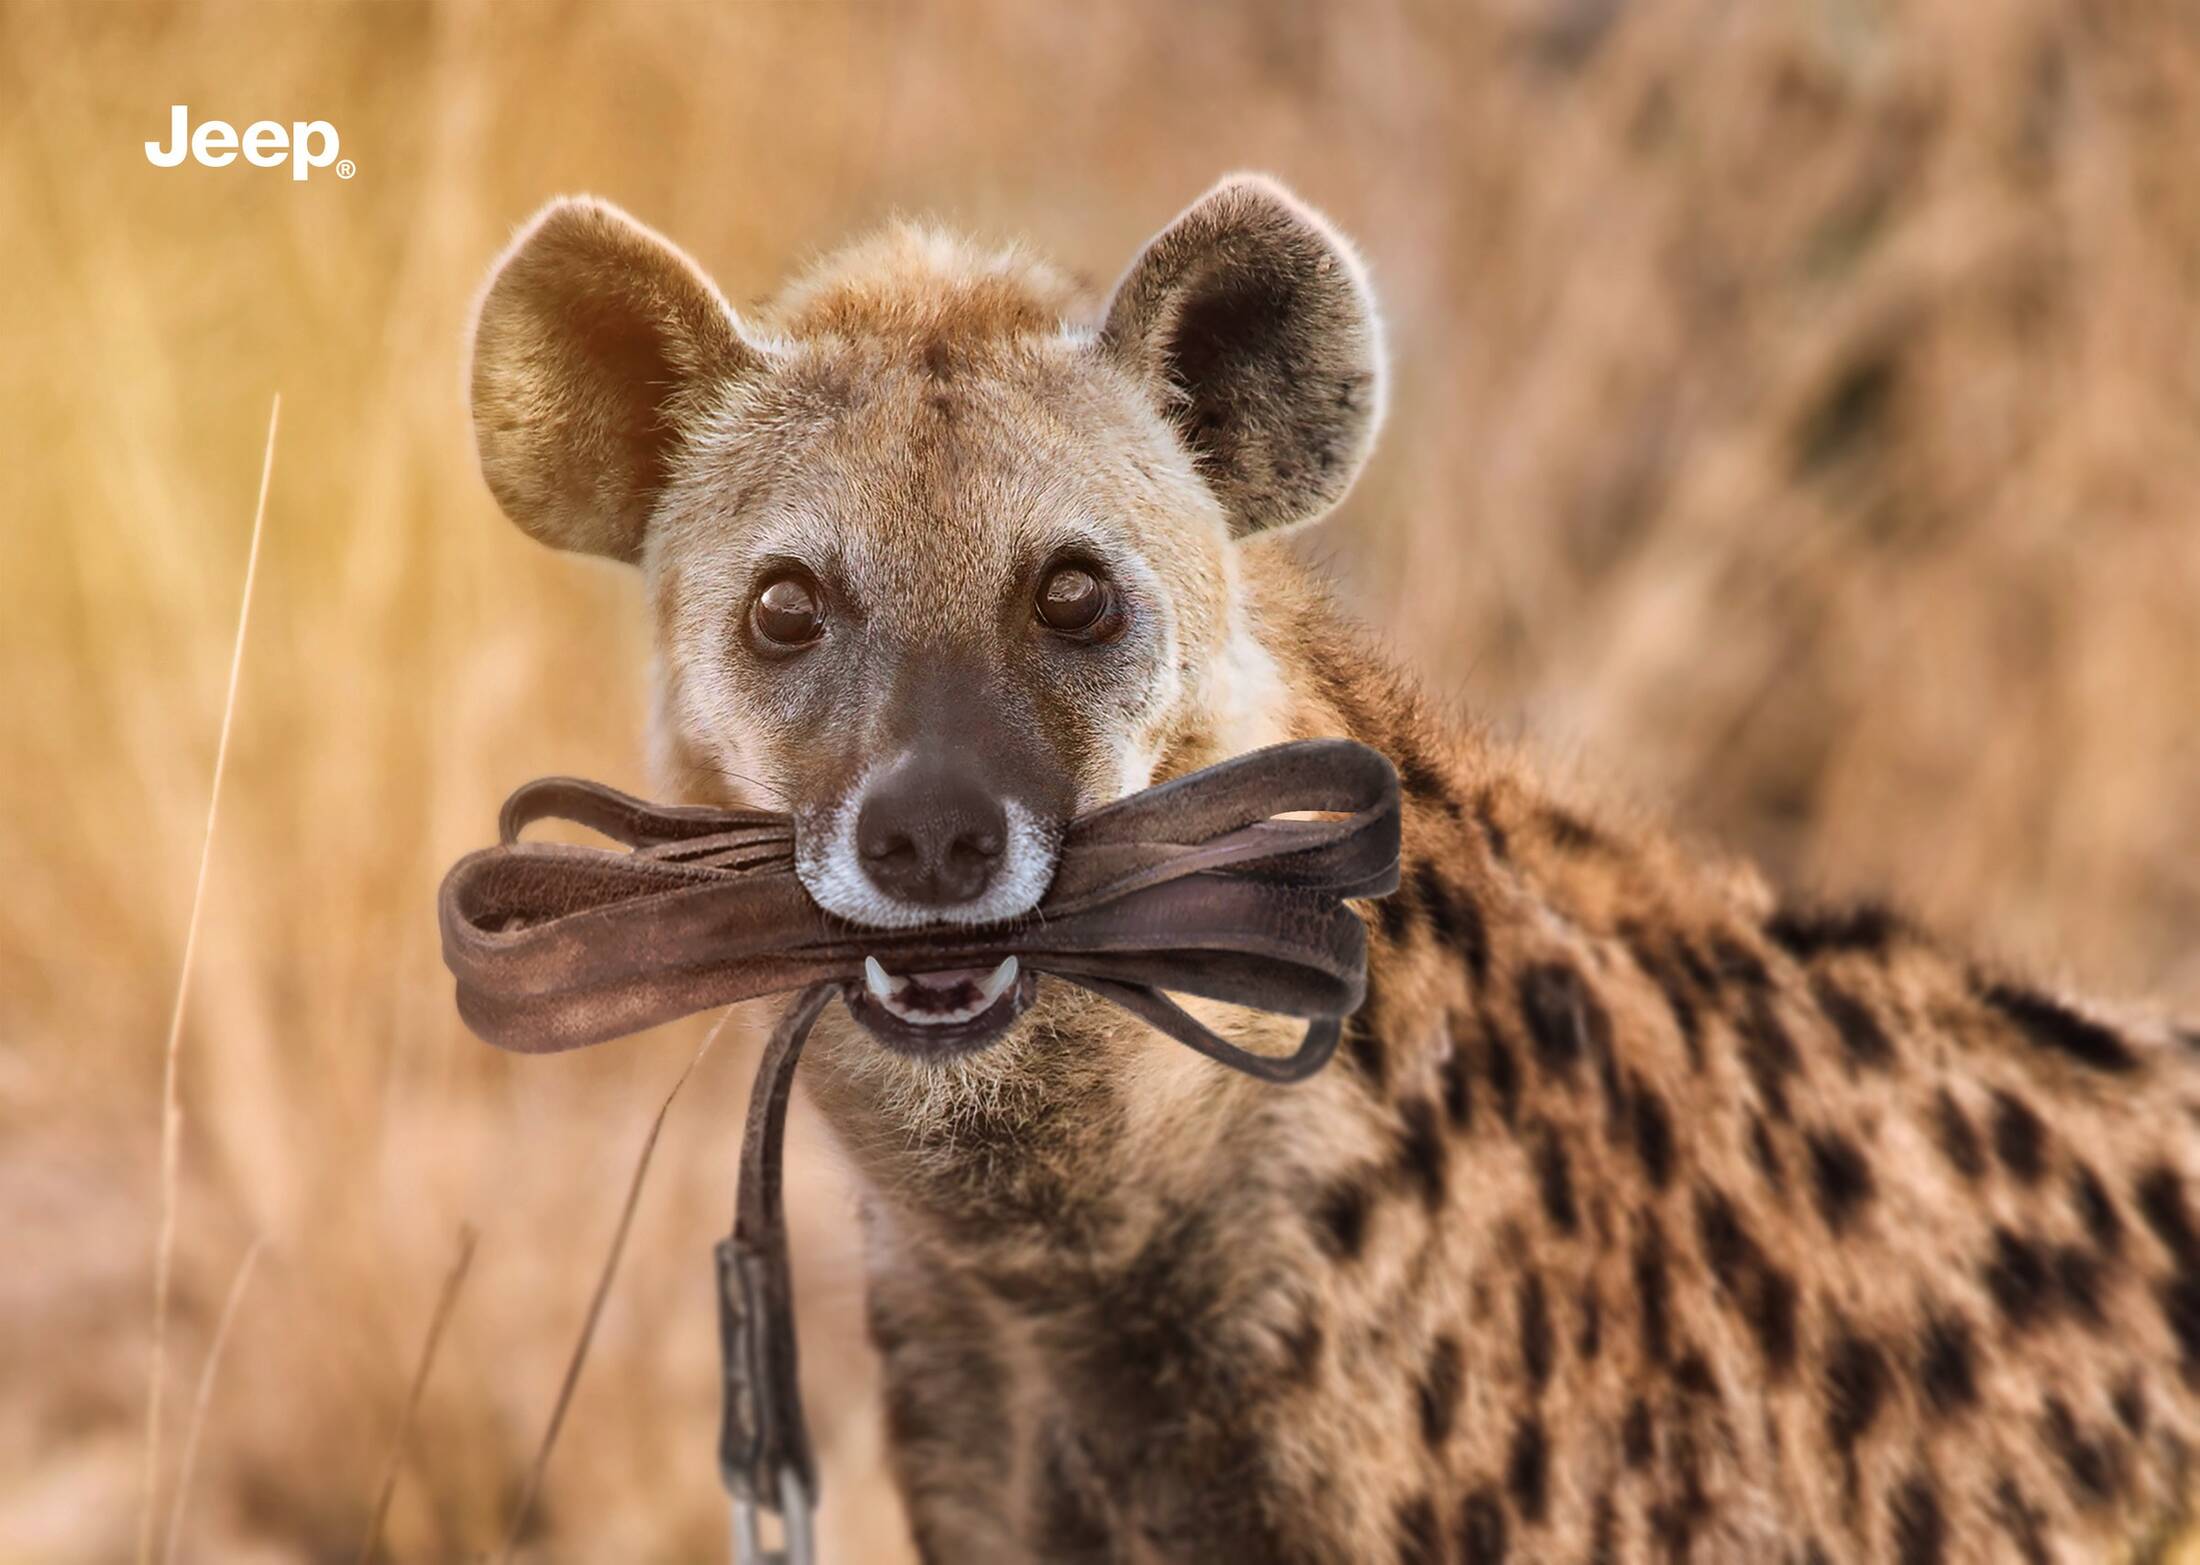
{"x":346,"y":168}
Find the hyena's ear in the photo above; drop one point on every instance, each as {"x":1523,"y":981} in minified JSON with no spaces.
{"x":595,"y":336}
{"x":1251,"y":319}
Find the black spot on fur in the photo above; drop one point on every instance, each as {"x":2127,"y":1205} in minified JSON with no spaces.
{"x":1766,"y":1155}
{"x":1454,"y":917}
{"x":2020,"y":1279}
{"x":2130,"y":1403}
{"x":1653,"y":1135}
{"x":2161,"y":1196}
{"x":1554,"y":1177}
{"x":1772,"y":1318}
{"x":1762,"y":1293}
{"x":1809,"y":932}
{"x":2019,"y":1518}
{"x":1850,"y":415}
{"x":1701,"y":972}
{"x":1340,"y":1218}
{"x":1693,"y":1375}
{"x":2096,"y":1209}
{"x":1945,"y":1365}
{"x":1553,"y":1005}
{"x":1527,"y":1470}
{"x":1737,"y":962}
{"x":1666,"y":973}
{"x":1493,"y":830}
{"x":2020,"y":1139}
{"x":1616,"y":1097}
{"x":1456,"y":1080}
{"x":1635,"y":1434}
{"x":1569,"y":833}
{"x":1653,"y":1290}
{"x":2078,"y":1277}
{"x":1840,"y":1176}
{"x":2180,"y":1301}
{"x":1482,"y":1528}
{"x":1538,"y":1347}
{"x":2091,"y":1469}
{"x":1395,"y":913}
{"x":1865,"y":1041}
{"x":1589,"y":1339}
{"x":1424,"y":1156}
{"x":1768,"y":1052}
{"x":1604,"y":1531}
{"x":1920,"y":1530}
{"x":1440,"y":1387}
{"x":1419,"y":1542}
{"x":1422,"y":780}
{"x":1856,"y":1389}
{"x":1503,"y":1068}
{"x":1958,"y":1136}
{"x":1676,"y":1519}
{"x":2053,"y":1025}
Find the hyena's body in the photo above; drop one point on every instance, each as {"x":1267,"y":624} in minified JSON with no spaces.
{"x":1642,"y":1218}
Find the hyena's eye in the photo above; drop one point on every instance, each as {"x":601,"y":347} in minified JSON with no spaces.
{"x":1074,"y":601}
{"x":789,"y":612}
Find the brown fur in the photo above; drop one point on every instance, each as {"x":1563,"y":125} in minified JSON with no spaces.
{"x":1644,"y":1216}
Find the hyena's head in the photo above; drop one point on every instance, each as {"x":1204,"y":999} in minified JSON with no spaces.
{"x":938,"y":558}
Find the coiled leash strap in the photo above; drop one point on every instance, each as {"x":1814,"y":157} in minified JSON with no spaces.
{"x":1192,"y":887}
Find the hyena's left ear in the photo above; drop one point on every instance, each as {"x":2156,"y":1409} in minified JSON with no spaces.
{"x":1251,"y":319}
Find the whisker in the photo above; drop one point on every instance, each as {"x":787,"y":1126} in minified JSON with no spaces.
{"x":775,"y":796}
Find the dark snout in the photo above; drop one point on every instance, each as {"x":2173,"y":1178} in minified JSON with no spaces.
{"x":932,"y":830}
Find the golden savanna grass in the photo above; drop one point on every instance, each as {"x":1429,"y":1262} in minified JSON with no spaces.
{"x":1796,"y":428}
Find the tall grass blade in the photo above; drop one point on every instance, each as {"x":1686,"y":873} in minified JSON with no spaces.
{"x":199,"y":1404}
{"x":452,"y":1282}
{"x":171,"y":1112}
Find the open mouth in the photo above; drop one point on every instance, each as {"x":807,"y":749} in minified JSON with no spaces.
{"x":939,"y":1015}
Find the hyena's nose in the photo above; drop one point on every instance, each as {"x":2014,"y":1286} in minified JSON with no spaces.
{"x":931,"y":832}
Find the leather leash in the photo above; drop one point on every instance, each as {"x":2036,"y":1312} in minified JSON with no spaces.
{"x":1193,"y":887}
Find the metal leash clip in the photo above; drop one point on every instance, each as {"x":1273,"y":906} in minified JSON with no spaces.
{"x":755,"y":1429}
{"x":798,"y":1544}
{"x":763,"y":1444}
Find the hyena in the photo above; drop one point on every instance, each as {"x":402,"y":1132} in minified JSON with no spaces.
{"x":1645,"y":1216}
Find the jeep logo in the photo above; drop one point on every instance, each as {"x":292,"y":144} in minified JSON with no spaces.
{"x":304,"y":144}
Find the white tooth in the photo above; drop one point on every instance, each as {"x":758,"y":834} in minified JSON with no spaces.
{"x":991,"y":989}
{"x":875,"y":979}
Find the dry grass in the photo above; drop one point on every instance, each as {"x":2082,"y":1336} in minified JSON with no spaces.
{"x":1795,"y":427}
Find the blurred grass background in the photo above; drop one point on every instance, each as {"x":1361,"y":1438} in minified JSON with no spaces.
{"x":1794,"y":429}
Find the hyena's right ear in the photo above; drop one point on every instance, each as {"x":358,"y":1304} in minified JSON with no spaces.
{"x":1251,"y":320}
{"x":594,"y":338}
